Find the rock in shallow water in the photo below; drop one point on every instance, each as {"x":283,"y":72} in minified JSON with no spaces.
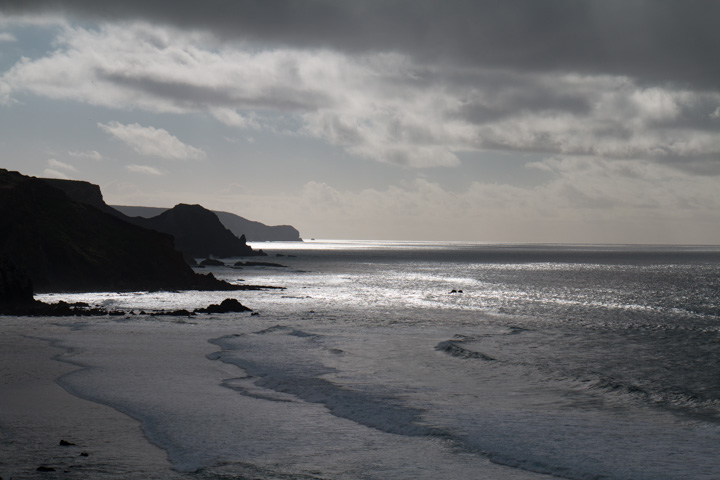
{"x":227,"y":305}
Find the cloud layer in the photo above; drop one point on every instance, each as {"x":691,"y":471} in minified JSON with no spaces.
{"x":390,"y":107}
{"x":643,"y":39}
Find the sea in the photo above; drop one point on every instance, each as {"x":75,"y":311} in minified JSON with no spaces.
{"x":421,"y":360}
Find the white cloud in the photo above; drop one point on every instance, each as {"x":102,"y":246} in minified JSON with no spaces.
{"x":51,"y":173}
{"x":379,"y":106}
{"x":91,"y":154}
{"x":55,"y":164}
{"x":586,"y":200}
{"x":231,"y":118}
{"x":58,"y":169}
{"x":144,"y":169}
{"x":152,"y":141}
{"x":6,"y":37}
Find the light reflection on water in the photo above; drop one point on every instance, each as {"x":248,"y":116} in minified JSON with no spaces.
{"x":572,"y":283}
{"x":600,"y":332}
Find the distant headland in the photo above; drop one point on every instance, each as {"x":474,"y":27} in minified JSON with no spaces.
{"x":253,"y":231}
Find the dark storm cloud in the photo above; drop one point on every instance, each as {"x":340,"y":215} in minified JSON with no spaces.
{"x":651,"y":40}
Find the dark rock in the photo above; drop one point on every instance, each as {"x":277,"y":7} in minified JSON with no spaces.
{"x":65,"y":443}
{"x":211,"y":262}
{"x":258,"y":264}
{"x":16,"y":288}
{"x":228,"y":305}
{"x":43,"y":468}
{"x":256,"y":231}
{"x":61,"y":244}
{"x":253,"y":231}
{"x":197,"y":231}
{"x":84,"y":454}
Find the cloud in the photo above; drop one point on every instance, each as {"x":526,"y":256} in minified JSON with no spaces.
{"x":58,"y":169}
{"x":580,"y":188}
{"x":144,"y":169}
{"x":91,"y":154}
{"x":583,"y":199}
{"x":60,"y":165}
{"x":644,"y":39}
{"x":52,"y":173}
{"x":6,"y":37}
{"x":151,"y":141}
{"x":395,"y":107}
{"x":232,"y":118}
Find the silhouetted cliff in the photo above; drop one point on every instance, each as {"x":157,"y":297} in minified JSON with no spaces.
{"x":253,"y":231}
{"x":198,"y":232}
{"x":83,"y":192}
{"x":256,"y":231}
{"x":16,"y":290}
{"x":64,"y":245}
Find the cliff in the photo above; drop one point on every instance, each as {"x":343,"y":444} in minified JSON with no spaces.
{"x":198,"y":232}
{"x":258,"y":232}
{"x":61,"y":244}
{"x":253,"y":231}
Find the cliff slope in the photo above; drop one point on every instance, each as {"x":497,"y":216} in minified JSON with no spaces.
{"x":64,"y":245}
{"x":253,"y":231}
{"x":198,"y":232}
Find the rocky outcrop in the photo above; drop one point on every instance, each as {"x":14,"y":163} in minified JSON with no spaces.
{"x":227,"y":306}
{"x":211,"y":262}
{"x":198,"y":232}
{"x":61,"y":244}
{"x":258,"y":264}
{"x":256,"y":231}
{"x":253,"y":231}
{"x":82,"y":192}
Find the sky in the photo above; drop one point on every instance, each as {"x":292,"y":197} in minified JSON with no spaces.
{"x":523,"y":121}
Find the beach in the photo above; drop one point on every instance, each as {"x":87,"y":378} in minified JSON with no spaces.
{"x":381,"y":361}
{"x":36,"y":414}
{"x":175,"y":395}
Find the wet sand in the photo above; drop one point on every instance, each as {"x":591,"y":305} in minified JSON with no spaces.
{"x":36,"y":414}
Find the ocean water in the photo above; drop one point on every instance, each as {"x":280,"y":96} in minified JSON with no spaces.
{"x":424,"y":360}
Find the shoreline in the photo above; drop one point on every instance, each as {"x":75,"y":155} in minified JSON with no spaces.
{"x":36,"y":414}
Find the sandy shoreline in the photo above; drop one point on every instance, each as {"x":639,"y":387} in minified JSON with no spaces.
{"x":36,"y":414}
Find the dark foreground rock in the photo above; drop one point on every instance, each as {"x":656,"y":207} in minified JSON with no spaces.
{"x":228,"y":305}
{"x":15,"y":286}
{"x":59,"y":309}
